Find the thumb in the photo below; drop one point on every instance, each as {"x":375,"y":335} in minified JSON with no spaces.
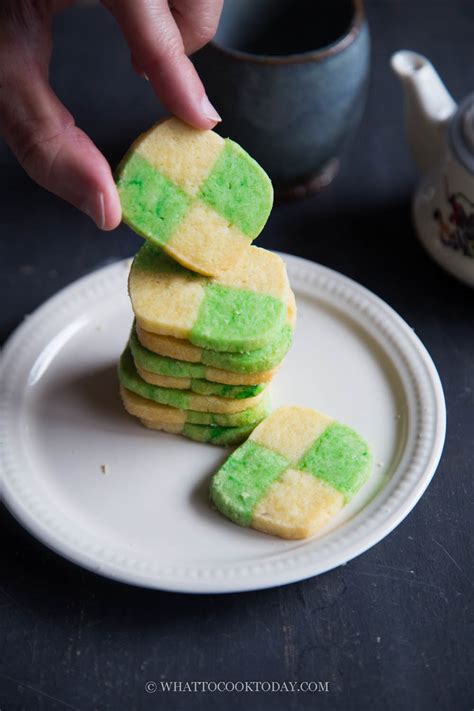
{"x":42,"y":134}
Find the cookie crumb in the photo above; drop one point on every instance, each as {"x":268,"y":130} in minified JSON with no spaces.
{"x":104,"y":469}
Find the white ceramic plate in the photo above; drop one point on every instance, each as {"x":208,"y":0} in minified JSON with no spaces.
{"x":146,"y":520}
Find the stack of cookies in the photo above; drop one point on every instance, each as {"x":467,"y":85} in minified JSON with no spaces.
{"x":214,"y":316}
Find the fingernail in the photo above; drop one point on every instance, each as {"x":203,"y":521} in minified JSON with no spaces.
{"x":94,"y":207}
{"x":208,"y":110}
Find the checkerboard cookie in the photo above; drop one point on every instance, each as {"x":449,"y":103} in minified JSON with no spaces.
{"x":210,"y":434}
{"x":180,"y":399}
{"x":180,"y":369}
{"x":150,"y":411}
{"x":171,"y":373}
{"x":295,"y":472}
{"x":242,"y":310}
{"x":202,"y":387}
{"x":199,"y":197}
{"x":262,"y":360}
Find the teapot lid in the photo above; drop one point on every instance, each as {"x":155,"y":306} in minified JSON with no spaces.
{"x":461,"y":133}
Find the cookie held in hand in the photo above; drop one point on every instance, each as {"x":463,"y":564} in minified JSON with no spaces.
{"x":199,"y":197}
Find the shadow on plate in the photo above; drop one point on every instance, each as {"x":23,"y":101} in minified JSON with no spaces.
{"x":89,"y":399}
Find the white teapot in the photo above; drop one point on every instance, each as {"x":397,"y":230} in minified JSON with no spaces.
{"x":441,"y":136}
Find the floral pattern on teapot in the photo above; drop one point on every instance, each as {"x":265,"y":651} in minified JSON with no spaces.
{"x":456,"y":230}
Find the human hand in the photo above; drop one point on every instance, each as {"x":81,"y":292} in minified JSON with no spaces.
{"x":40,"y":130}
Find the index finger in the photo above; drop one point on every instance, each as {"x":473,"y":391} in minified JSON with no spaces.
{"x":157,"y":47}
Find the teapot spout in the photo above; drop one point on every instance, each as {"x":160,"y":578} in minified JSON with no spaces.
{"x":428,"y":107}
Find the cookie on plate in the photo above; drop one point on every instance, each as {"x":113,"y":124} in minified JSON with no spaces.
{"x":210,"y":434}
{"x":202,"y":387}
{"x":260,"y":360}
{"x":241,"y":310}
{"x":180,"y":369}
{"x":180,"y":399}
{"x":150,"y":411}
{"x":198,"y":196}
{"x":295,"y":472}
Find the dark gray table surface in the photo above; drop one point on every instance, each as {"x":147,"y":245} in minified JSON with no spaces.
{"x":391,"y":629}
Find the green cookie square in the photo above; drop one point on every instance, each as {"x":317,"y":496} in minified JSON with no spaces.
{"x":244,"y":479}
{"x":239,"y":190}
{"x":129,"y":378}
{"x":236,"y":318}
{"x":340,"y":457}
{"x":151,"y":204}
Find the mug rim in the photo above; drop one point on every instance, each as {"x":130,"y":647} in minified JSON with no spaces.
{"x":329,"y":50}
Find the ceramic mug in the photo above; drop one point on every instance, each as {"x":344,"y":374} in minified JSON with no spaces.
{"x":289,"y":81}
